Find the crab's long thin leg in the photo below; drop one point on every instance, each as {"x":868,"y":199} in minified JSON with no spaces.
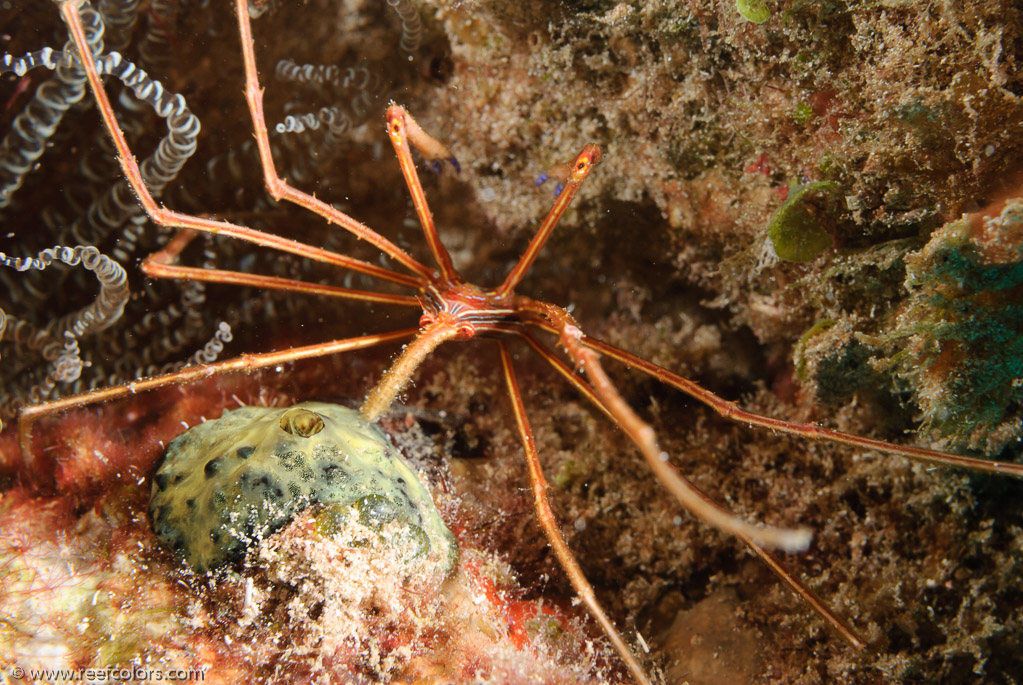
{"x":731,"y":411}
{"x":400,"y":125}
{"x":584,"y":162}
{"x":642,"y":434}
{"x":397,"y":377}
{"x":278,"y":188}
{"x":246,"y":362}
{"x":797,"y":586}
{"x":160,"y":265}
{"x":190,"y":273}
{"x":550,"y":527}
{"x":165,"y":217}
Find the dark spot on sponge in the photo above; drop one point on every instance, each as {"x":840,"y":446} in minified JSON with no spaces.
{"x":245,"y":452}
{"x":213,"y":466}
{"x":376,"y":510}
{"x":292,"y":460}
{"x":162,"y":480}
{"x":334,"y":474}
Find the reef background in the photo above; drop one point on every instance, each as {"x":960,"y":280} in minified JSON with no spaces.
{"x":779,"y":215}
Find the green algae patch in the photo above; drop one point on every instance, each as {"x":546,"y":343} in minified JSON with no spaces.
{"x":802,"y":113}
{"x":795,"y":232}
{"x":799,"y":353}
{"x":753,"y":10}
{"x":567,"y":472}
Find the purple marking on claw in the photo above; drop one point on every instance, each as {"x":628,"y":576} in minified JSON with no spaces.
{"x":541,"y":178}
{"x":558,"y":188}
{"x":434,"y":166}
{"x":455,"y":164}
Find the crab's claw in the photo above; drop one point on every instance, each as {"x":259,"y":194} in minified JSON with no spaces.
{"x":559,"y":173}
{"x":434,"y":151}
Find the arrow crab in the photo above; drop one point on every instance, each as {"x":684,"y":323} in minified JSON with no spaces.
{"x":454,"y":309}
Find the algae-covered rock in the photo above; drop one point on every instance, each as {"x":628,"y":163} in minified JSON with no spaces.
{"x":960,"y":340}
{"x":224,"y":485}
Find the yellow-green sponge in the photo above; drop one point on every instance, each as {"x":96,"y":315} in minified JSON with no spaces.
{"x":224,"y":485}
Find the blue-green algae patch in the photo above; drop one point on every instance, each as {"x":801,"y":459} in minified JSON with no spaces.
{"x":960,"y":340}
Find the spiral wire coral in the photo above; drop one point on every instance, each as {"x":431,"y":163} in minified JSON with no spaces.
{"x":155,"y":48}
{"x":119,"y":17}
{"x":57,"y":337}
{"x":360,"y":83}
{"x":58,"y":341}
{"x":37,"y":123}
{"x":42,"y":358}
{"x":118,"y":206}
{"x":411,"y":24}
